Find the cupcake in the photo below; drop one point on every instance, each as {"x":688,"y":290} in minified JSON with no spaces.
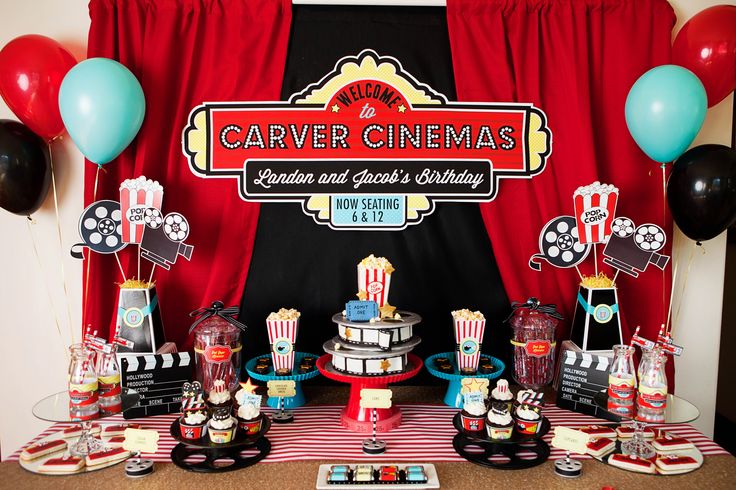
{"x":222,"y":426}
{"x":527,"y":419}
{"x":250,"y":419}
{"x":219,"y":396}
{"x":193,"y":425}
{"x":473,"y":416}
{"x":499,"y":425}
{"x":502,"y":394}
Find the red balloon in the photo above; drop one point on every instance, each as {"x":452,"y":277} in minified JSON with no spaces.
{"x":706,"y":45}
{"x":31,"y":70}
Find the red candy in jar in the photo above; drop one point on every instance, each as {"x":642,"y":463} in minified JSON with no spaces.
{"x":534,"y":342}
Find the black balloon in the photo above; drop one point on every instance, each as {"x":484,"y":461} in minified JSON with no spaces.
{"x":701,"y":191}
{"x":25,"y":168}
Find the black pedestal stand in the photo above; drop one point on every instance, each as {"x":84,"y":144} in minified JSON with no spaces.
{"x":229,"y":454}
{"x":479,"y":448}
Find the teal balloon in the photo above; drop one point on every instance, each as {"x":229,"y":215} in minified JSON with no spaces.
{"x":102,"y":106}
{"x":665,"y":109}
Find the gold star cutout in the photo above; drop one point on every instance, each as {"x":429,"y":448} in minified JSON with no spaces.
{"x":335,"y":108}
{"x":248,"y":387}
{"x":385,"y":365}
{"x":402,"y":108}
{"x":473,"y":385}
{"x":387,"y":311}
{"x":362,"y":295}
{"x":348,"y":333}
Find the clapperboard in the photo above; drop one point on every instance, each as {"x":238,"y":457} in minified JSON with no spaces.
{"x":158,"y":379}
{"x":581,"y":375}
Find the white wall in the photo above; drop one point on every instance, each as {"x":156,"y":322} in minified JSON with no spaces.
{"x":32,"y":363}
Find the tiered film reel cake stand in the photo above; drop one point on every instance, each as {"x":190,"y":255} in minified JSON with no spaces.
{"x":453,"y":397}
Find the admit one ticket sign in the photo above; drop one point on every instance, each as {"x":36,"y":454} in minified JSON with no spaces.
{"x":368,"y":147}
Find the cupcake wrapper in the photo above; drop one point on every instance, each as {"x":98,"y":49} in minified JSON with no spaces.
{"x":192,"y":431}
{"x":527,"y":426}
{"x":500,"y":433}
{"x":221,"y":436}
{"x":250,"y":427}
{"x":472,"y":423}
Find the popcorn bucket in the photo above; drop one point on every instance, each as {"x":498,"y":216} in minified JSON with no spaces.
{"x":375,"y":282}
{"x":595,"y":208}
{"x":282,"y":337}
{"x":596,"y":324}
{"x":139,"y":321}
{"x":137,"y":195}
{"x":468,"y":339}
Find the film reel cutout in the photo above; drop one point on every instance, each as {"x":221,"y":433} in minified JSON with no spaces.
{"x":153,"y":218}
{"x":100,"y":227}
{"x":649,"y":237}
{"x":176,"y":227}
{"x":623,"y":227}
{"x":559,"y":243}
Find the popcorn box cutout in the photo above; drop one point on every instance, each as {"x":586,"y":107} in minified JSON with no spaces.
{"x":139,"y":321}
{"x":361,"y":311}
{"x":596,"y":324}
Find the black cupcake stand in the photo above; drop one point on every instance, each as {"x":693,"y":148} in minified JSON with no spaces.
{"x":479,"y":448}
{"x":219,"y":458}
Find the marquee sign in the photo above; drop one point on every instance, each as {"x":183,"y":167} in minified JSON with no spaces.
{"x":367,"y":147}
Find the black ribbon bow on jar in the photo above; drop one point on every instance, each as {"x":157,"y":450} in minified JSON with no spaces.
{"x":217,"y":309}
{"x":534,"y":304}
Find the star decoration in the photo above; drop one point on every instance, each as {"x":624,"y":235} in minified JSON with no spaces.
{"x":402,"y":108}
{"x":385,"y":364}
{"x":473,"y":385}
{"x":387,"y":311}
{"x":348,"y":333}
{"x":335,"y":108}
{"x":362,"y":295}
{"x":248,"y":387}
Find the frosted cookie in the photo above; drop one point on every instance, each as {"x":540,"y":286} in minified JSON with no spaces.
{"x":62,"y":465}
{"x":600,"y":446}
{"x":599,"y":431}
{"x":108,"y":456}
{"x":669,"y":443}
{"x":39,"y":449}
{"x":118,"y":430}
{"x":75,"y":431}
{"x":673,"y":463}
{"x":632,"y":463}
{"x":627,"y":432}
{"x":115,"y":441}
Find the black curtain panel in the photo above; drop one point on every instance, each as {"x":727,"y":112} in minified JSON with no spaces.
{"x":444,"y":263}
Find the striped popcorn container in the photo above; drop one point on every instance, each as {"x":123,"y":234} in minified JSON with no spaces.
{"x":468,"y":338}
{"x":375,"y":282}
{"x":137,"y":195}
{"x":595,"y":208}
{"x":282,"y":337}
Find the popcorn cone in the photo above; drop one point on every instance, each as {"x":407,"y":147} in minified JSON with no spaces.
{"x":282,"y":337}
{"x":375,"y":282}
{"x":468,"y":338}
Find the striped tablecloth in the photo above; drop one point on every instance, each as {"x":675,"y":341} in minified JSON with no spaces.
{"x":425,"y":434}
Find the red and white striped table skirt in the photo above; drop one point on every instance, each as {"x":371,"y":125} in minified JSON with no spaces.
{"x":425,"y":434}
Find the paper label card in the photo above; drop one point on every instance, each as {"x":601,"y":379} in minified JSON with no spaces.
{"x":375,"y":398}
{"x":361,"y":311}
{"x":282,"y":388}
{"x":471,"y":385}
{"x":141,"y":440}
{"x":570,"y":440}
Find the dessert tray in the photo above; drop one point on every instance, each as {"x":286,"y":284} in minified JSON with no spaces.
{"x":453,"y":397}
{"x":243,"y":451}
{"x":34,"y":465}
{"x":479,"y":448}
{"x":394,"y":476}
{"x":295,"y":401}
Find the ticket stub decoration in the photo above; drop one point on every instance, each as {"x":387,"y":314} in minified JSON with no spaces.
{"x":361,"y":311}
{"x":368,"y":147}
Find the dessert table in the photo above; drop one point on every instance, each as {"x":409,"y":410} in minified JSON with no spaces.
{"x":287,"y":472}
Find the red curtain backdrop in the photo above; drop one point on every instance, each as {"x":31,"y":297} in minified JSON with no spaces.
{"x":577,"y":60}
{"x":185,"y":52}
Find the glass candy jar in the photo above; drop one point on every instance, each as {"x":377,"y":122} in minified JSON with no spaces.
{"x":534,"y":343}
{"x":83,"y":396}
{"x":108,"y":378}
{"x":217,"y":346}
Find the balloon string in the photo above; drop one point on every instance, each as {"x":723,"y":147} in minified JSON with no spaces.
{"x":672,"y":295}
{"x":120,"y":266}
{"x":664,"y":219}
{"x":683,"y":287}
{"x":30,"y":222}
{"x":89,"y":252}
{"x":61,"y":245}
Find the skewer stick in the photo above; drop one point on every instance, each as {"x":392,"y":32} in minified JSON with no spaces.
{"x":120,"y":266}
{"x":150,"y":277}
{"x":579,"y":273}
{"x":595,"y":258}
{"x":615,"y":276}
{"x":139,"y":263}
